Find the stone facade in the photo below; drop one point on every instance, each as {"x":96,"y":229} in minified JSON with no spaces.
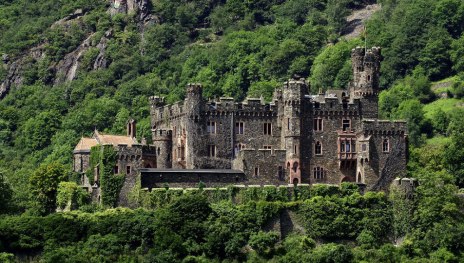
{"x":298,"y":138}
{"x":131,"y":157}
{"x":329,"y":137}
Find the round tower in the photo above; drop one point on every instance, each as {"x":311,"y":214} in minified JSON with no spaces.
{"x":372,"y":70}
{"x":357,"y":64}
{"x":193,"y":106}
{"x":365,"y":85}
{"x":292,"y":95}
{"x":162,"y":140}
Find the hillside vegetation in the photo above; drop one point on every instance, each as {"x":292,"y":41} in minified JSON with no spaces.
{"x":234,"y":48}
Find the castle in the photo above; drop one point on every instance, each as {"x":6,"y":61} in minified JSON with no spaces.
{"x":298,"y":138}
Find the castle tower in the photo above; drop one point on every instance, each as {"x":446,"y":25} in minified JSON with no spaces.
{"x":131,"y":128}
{"x":192,"y":107}
{"x":162,"y":140}
{"x":292,"y":96}
{"x":366,"y":73}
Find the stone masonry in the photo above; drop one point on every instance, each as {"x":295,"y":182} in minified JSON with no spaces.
{"x":330,"y":137}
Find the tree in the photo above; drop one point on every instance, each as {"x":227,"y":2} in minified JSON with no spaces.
{"x":6,"y":195}
{"x":43,"y":186}
{"x":435,"y":58}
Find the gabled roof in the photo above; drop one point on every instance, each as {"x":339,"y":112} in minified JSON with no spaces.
{"x":114,"y":139}
{"x":85,"y":144}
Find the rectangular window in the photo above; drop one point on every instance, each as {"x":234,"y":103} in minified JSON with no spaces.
{"x":317,"y":124}
{"x":116,"y":169}
{"x":267,"y":147}
{"x":364,"y":147}
{"x":267,"y":128}
{"x":256,"y":171}
{"x":212,"y":151}
{"x":346,"y":125}
{"x":386,"y":145}
{"x":211,"y":127}
{"x":295,"y":149}
{"x":288,"y":123}
{"x":128,"y":169}
{"x":239,"y":128}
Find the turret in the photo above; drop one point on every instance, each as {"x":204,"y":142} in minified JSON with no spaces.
{"x":366,"y":70}
{"x":162,"y":141}
{"x":292,"y":95}
{"x":192,"y":107}
{"x":366,"y":73}
{"x":131,"y":128}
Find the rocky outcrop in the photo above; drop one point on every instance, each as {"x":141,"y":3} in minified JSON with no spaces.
{"x":139,"y":7}
{"x":100,"y":61}
{"x":15,"y":68}
{"x":66,"y":69}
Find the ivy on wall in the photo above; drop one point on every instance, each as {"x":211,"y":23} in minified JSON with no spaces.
{"x":105,"y":157}
{"x":110,"y":183}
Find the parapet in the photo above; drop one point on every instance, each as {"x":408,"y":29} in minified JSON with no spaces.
{"x":194,"y":88}
{"x":384,"y":127}
{"x":156,"y":101}
{"x":160,"y":134}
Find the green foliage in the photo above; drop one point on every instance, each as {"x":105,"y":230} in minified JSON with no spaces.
{"x":110,"y":183}
{"x":330,"y":66}
{"x":263,"y":242}
{"x":6,"y":195}
{"x":71,"y":196}
{"x":43,"y":185}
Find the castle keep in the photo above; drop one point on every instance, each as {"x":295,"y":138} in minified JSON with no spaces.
{"x":298,"y":138}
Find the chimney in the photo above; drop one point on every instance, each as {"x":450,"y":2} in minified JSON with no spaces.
{"x":131,"y":128}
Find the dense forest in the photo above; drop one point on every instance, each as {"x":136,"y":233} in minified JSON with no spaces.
{"x":239,"y":49}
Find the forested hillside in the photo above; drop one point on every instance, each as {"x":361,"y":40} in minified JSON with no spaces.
{"x":69,"y":67}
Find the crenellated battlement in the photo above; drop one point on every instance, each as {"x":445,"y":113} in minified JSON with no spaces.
{"x":194,"y":88}
{"x":161,"y":134}
{"x":385,"y":127}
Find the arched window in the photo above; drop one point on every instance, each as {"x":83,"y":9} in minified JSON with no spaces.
{"x":318,"y":173}
{"x":368,"y":77}
{"x":295,"y":167}
{"x":386,"y":145}
{"x":318,"y":148}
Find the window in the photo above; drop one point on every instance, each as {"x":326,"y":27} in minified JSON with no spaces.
{"x":368,"y":77}
{"x":346,"y":125}
{"x":317,"y":124}
{"x":317,"y":105}
{"x":182,"y":153}
{"x":211,"y":127}
{"x":212,"y":151}
{"x":386,"y":146}
{"x":116,"y":169}
{"x":267,"y":147}
{"x":128,"y":169}
{"x":267,"y":128}
{"x":256,"y":171}
{"x":239,"y":128}
{"x":347,"y":146}
{"x":295,"y":149}
{"x":364,"y":147}
{"x":318,"y":148}
{"x":318,"y":173}
{"x":288,"y":123}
